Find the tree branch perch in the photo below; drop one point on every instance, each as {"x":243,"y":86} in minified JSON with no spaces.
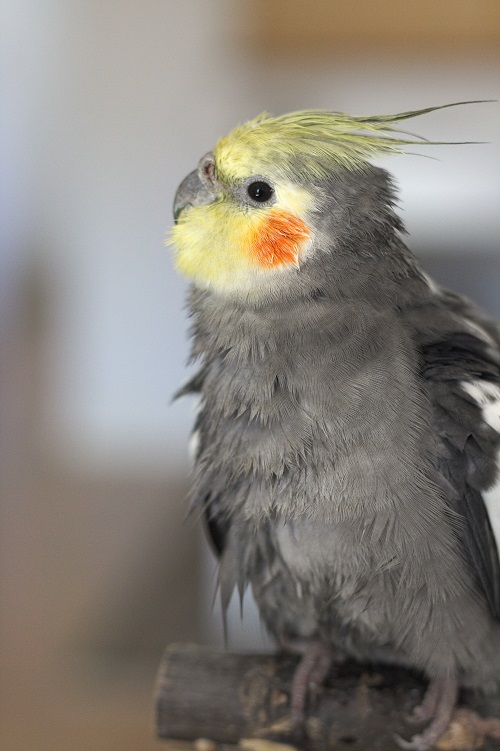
{"x":208,"y":693}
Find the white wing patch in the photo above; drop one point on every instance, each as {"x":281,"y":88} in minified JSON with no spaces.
{"x":194,"y":445}
{"x":471,"y":326}
{"x":433,"y":286}
{"x":194,"y":441}
{"x":487,"y":397}
{"x":478,"y":331}
{"x":491,"y":500}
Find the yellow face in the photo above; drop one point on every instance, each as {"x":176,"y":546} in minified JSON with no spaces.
{"x":225,"y":241}
{"x":233,"y":243}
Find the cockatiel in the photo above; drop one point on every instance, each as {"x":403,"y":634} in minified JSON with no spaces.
{"x":349,"y":432}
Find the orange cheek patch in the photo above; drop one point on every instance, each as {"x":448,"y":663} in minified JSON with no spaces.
{"x":277,"y":239}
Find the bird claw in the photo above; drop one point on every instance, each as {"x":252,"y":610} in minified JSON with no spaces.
{"x":437,"y":706}
{"x":425,"y":711}
{"x":415,"y":718}
{"x":297,"y":718}
{"x":417,"y":743}
{"x":419,"y":715}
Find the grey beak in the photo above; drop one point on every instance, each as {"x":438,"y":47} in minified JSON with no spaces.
{"x":198,"y":188}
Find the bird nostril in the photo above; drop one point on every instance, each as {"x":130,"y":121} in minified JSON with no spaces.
{"x":207,"y":168}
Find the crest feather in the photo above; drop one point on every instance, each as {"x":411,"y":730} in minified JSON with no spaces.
{"x":316,"y":140}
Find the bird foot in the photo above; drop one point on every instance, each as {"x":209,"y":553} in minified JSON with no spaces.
{"x":425,"y":711}
{"x":417,"y":743}
{"x":310,"y":674}
{"x":437,"y":706}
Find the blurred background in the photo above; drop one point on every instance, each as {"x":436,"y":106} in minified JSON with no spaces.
{"x":105,"y":107}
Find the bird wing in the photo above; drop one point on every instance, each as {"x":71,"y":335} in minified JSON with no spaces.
{"x":461,"y":368}
{"x":216,"y":526}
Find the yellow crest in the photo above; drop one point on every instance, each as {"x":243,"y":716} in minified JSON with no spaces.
{"x":314,"y":141}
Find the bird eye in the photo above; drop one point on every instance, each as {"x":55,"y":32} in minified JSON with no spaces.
{"x":260,"y":191}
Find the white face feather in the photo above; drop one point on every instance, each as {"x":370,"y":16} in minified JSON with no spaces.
{"x":487,"y":397}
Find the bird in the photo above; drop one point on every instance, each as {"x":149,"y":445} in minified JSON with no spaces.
{"x":348,"y":436}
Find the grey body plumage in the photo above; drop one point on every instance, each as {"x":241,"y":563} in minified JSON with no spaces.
{"x":342,"y":462}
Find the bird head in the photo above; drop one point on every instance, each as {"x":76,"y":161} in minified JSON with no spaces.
{"x":276,"y":196}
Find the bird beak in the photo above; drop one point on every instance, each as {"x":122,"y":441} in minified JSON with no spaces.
{"x":198,"y":188}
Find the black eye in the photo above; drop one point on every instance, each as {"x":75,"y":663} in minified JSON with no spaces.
{"x":260,"y":191}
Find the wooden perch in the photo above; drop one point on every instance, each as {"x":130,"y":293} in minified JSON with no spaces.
{"x":207,"y":693}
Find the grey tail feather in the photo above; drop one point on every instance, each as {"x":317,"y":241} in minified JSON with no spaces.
{"x":224,"y":607}
{"x":218,"y":595}
{"x":225,"y":629}
{"x":241,"y":593}
{"x":226,"y":585}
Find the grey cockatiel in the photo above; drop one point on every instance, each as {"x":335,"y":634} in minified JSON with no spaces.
{"x":349,"y":431}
